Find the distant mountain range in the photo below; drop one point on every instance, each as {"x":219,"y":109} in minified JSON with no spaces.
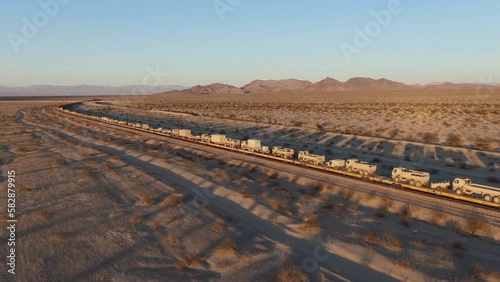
{"x":356,"y":84}
{"x":85,"y":90}
{"x":326,"y":85}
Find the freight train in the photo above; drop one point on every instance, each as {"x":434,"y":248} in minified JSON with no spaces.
{"x":401,"y":177}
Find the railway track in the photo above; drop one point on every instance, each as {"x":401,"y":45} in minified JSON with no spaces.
{"x":480,"y":206}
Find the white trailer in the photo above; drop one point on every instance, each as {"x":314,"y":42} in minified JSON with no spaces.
{"x":413,"y":177}
{"x":218,"y":139}
{"x":186,"y":133}
{"x":363,"y":168}
{"x":254,"y":145}
{"x":282,"y":152}
{"x":465,"y":186}
{"x":307,"y":157}
{"x":337,"y":164}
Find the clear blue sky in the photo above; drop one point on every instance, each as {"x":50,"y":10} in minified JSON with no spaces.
{"x":113,"y":42}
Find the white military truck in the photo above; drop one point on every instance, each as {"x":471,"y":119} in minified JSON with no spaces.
{"x":145,"y":126}
{"x":412,"y":177}
{"x":363,"y":168}
{"x":465,"y":186}
{"x":186,"y":133}
{"x":175,"y":132}
{"x":218,"y":139}
{"x":307,"y":157}
{"x":336,"y":163}
{"x":254,"y":145}
{"x":282,"y":152}
{"x":232,"y":143}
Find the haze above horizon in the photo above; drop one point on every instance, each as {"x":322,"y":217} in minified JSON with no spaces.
{"x":69,"y":42}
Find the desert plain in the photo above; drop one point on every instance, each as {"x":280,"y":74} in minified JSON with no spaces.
{"x":97,"y":202}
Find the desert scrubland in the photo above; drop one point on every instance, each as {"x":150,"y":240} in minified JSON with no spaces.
{"x":449,"y":134}
{"x":98,"y":202}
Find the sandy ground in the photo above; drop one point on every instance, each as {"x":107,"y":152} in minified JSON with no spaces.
{"x":101,"y":203}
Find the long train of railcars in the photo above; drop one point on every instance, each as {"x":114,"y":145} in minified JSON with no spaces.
{"x":460,"y":189}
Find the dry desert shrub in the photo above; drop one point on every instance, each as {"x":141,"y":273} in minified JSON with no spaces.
{"x":438,"y":216}
{"x":372,"y":238}
{"x":310,"y":224}
{"x":387,"y":204}
{"x":353,"y":208}
{"x":348,"y":195}
{"x":392,"y":241}
{"x":191,"y":260}
{"x":43,"y":214}
{"x":56,"y":162}
{"x":278,"y":204}
{"x":338,"y":209}
{"x":146,"y":200}
{"x":430,"y":138}
{"x":246,"y":195}
{"x":59,"y":237}
{"x":439,"y":251}
{"x":135,"y":219}
{"x":228,"y":246}
{"x":180,"y":265}
{"x":417,"y":243}
{"x":23,"y":149}
{"x":291,"y":274}
{"x":218,"y":226}
{"x":172,"y":239}
{"x":172,"y":200}
{"x":475,"y":226}
{"x":303,"y":200}
{"x":89,"y":171}
{"x":25,"y":189}
{"x":404,"y":263}
{"x":454,"y":140}
{"x":4,"y":217}
{"x":155,"y":226}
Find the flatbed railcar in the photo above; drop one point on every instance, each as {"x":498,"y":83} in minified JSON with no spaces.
{"x":323,"y":167}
